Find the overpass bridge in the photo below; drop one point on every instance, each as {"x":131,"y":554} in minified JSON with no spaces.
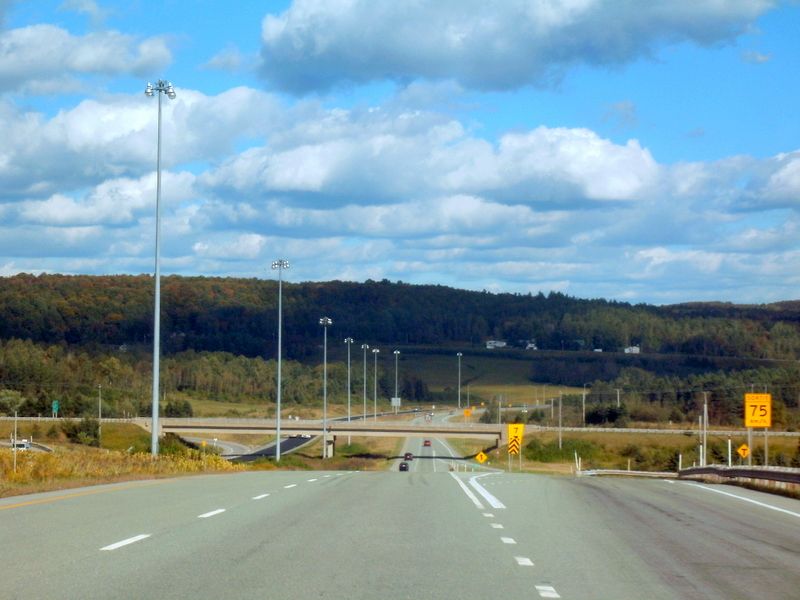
{"x":480,"y":431}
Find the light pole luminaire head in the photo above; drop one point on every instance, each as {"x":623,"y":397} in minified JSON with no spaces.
{"x":160,"y":86}
{"x":325,"y":321}
{"x":281,"y":263}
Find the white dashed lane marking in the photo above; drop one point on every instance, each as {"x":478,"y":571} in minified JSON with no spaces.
{"x":211,"y":513}
{"x":291,"y":485}
{"x":547,"y":591}
{"x":490,"y":515}
{"x":523,"y":561}
{"x":497,"y":526}
{"x":131,"y":540}
{"x":261,"y":497}
{"x":311,"y":480}
{"x":507,"y":540}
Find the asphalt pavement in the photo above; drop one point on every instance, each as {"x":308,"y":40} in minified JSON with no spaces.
{"x":392,"y":535}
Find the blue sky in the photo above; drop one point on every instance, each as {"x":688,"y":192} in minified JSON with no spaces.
{"x":645,"y":152}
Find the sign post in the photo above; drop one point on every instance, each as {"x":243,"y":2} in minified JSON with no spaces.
{"x":757,"y":413}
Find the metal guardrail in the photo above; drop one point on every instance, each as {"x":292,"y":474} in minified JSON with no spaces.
{"x":782,"y":474}
{"x":626,"y":473}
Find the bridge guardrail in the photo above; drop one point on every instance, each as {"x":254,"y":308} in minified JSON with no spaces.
{"x":775,"y":474}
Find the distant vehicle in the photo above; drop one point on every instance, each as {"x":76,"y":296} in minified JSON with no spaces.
{"x":426,"y":443}
{"x":21,"y":445}
{"x":404,"y":466}
{"x":408,"y":456}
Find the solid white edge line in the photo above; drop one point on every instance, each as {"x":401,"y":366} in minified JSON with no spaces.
{"x":211,"y":513}
{"x":494,"y":502}
{"x":467,"y":491}
{"x":743,"y":498}
{"x":130,"y":540}
{"x":260,"y":497}
{"x":507,"y":540}
{"x":523,"y":561}
{"x":434,"y":458}
{"x":291,"y":485}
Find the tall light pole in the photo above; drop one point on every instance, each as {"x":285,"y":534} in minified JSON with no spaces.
{"x":325,"y":322}
{"x":280,"y":265}
{"x":459,"y":355}
{"x":349,"y":342}
{"x":375,"y":386}
{"x":161,"y":87}
{"x":365,"y":347}
{"x":396,"y":390}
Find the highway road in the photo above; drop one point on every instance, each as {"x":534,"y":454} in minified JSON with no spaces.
{"x":400,"y":536}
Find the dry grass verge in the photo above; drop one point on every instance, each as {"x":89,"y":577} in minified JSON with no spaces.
{"x":75,"y":466}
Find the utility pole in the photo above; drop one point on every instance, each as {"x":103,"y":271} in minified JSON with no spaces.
{"x":99,"y":412}
{"x":705,"y":429}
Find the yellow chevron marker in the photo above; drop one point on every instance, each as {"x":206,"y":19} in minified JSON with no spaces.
{"x":515,"y":433}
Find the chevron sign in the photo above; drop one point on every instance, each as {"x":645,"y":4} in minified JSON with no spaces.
{"x":515,"y":433}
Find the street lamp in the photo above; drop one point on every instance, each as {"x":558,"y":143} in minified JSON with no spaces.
{"x":396,"y":391}
{"x":325,"y":322}
{"x":459,"y":355}
{"x":161,"y":87}
{"x":280,"y":265}
{"x":349,"y":342}
{"x":375,"y":386}
{"x":365,"y":347}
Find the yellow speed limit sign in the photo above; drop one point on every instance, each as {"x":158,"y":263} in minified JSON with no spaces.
{"x":758,"y":410}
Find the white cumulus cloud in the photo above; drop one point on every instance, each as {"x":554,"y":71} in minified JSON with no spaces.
{"x":483,"y":44}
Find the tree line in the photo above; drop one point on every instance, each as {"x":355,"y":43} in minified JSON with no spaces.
{"x":207,"y":314}
{"x":33,"y":375}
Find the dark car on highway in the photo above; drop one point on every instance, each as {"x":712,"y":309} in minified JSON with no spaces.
{"x":408,"y":456}
{"x":404,"y":466}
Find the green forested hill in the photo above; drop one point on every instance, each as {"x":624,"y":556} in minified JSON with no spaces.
{"x":239,"y":316}
{"x":63,"y":336}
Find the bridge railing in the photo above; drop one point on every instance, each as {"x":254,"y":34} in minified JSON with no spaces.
{"x":780,"y":479}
